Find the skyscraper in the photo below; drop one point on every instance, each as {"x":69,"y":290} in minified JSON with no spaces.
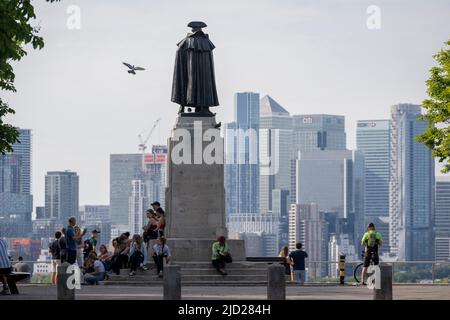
{"x":16,"y":202}
{"x":138,"y":204}
{"x":307,"y":225}
{"x":411,"y":185}
{"x":61,"y":195}
{"x":274,"y":151}
{"x":373,"y":140}
{"x":242,"y":150}
{"x":313,"y":132}
{"x":442,"y":219}
{"x":326,"y":178}
{"x":155,"y":174}
{"x":123,"y":168}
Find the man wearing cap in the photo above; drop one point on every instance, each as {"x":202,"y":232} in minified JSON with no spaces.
{"x":155,"y":205}
{"x":93,"y":239}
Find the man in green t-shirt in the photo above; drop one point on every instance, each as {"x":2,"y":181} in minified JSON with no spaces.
{"x":371,"y":240}
{"x":220,"y":255}
{"x":93,"y":240}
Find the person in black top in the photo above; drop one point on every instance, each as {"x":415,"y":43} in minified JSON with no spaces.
{"x":297,"y":259}
{"x":63,"y":246}
{"x":55,"y":250}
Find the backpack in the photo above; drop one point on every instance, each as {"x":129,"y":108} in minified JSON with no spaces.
{"x":372,"y":240}
{"x":54,"y":249}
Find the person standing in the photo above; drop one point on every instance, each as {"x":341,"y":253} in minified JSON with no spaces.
{"x":150,"y":228}
{"x":161,"y":222}
{"x":5,"y":266}
{"x":55,"y":250}
{"x":156,"y":205}
{"x":72,"y":238}
{"x":297,"y":259}
{"x":284,"y":253}
{"x":80,"y":245}
{"x":160,"y":252}
{"x":93,"y":239}
{"x":63,"y":246}
{"x":371,"y":240}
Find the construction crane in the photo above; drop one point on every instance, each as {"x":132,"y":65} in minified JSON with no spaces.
{"x":143,"y":142}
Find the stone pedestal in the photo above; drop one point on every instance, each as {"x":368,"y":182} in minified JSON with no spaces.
{"x":385,"y":292}
{"x":276,"y":283}
{"x":184,"y":250}
{"x":195,"y":197}
{"x":63,"y":292}
{"x":172,"y":283}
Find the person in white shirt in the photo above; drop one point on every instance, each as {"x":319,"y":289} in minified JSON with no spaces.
{"x":99,"y":270}
{"x":160,"y":252}
{"x":138,"y":254}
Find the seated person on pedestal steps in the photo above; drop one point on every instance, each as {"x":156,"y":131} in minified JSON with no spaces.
{"x":138,"y":254}
{"x":105,"y":257}
{"x":160,"y":252}
{"x":120,"y":257}
{"x":97,"y":269}
{"x":220,"y":255}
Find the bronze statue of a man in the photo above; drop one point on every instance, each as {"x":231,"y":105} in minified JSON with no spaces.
{"x":194,"y":83}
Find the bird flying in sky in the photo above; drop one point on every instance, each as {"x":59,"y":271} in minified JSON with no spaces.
{"x":132,"y":69}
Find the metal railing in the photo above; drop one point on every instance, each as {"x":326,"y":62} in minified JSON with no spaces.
{"x":403,"y":272}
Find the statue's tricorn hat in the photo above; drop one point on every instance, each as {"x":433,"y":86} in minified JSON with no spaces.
{"x":197,"y":24}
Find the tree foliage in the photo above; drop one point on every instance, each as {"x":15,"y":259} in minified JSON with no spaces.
{"x":16,"y":32}
{"x":437,"y":135}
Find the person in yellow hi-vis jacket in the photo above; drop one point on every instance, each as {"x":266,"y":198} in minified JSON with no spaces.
{"x":371,"y":240}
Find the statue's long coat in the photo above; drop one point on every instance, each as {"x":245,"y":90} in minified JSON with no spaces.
{"x":194,"y":83}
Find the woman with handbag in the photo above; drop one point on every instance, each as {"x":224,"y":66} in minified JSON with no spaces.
{"x":220,"y":255}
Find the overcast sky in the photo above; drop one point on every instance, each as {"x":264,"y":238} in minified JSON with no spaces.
{"x":311,"y":56}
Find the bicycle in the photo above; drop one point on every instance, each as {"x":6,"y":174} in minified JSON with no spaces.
{"x":358,"y":269}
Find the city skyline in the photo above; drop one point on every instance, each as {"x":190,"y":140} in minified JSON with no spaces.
{"x":92,"y":98}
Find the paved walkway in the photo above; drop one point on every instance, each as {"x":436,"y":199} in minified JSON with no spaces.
{"x":47,"y":292}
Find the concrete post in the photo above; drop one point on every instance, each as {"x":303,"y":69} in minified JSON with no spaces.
{"x":385,"y":292}
{"x":276,"y":284}
{"x":172,"y":282}
{"x":63,"y":291}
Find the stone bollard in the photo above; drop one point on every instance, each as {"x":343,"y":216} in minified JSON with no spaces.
{"x":63,"y":291}
{"x":276,"y":284}
{"x":172,"y":282}
{"x":385,"y":291}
